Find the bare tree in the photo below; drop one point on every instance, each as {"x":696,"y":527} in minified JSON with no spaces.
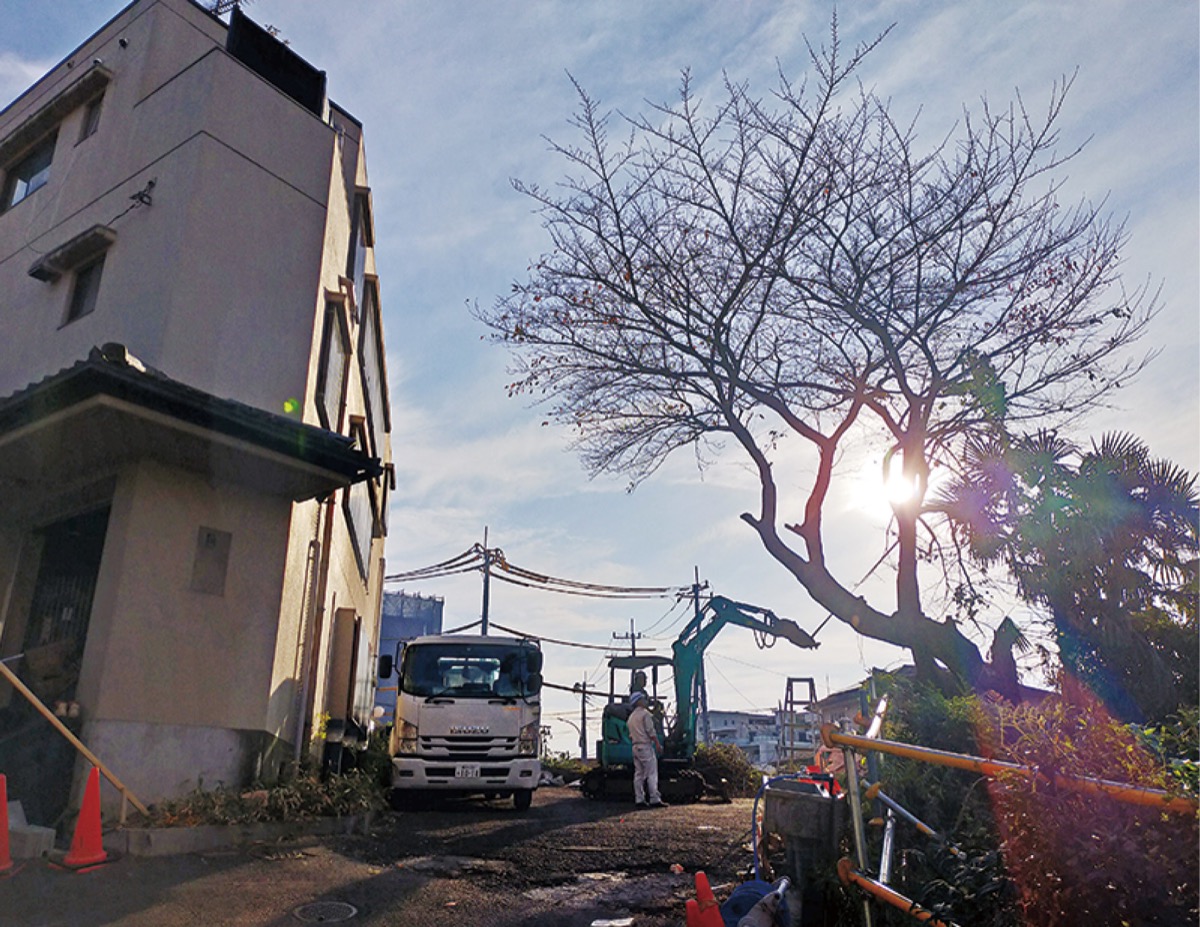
{"x":794,"y":268}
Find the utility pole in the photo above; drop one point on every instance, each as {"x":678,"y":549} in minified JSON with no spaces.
{"x":702,"y":683}
{"x":487,"y":579}
{"x":581,"y":688}
{"x":631,"y":637}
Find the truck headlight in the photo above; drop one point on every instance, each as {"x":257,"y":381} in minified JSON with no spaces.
{"x":406,"y":737}
{"x":527,"y":742}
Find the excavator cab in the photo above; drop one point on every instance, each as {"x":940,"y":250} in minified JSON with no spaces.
{"x":614,"y":747}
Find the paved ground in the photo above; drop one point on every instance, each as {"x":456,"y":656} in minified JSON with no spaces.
{"x":566,"y":862}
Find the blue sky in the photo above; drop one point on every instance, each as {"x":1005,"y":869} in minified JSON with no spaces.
{"x":456,"y":98}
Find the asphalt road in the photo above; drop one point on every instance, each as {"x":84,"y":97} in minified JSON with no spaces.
{"x":567,"y":862}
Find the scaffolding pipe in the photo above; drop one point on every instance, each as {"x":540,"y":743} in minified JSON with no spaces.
{"x":849,"y":876}
{"x":889,"y":848}
{"x":1121,"y":791}
{"x":875,"y":792}
{"x":856,"y":820}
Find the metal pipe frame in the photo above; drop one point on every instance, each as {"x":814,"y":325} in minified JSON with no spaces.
{"x":849,"y":876}
{"x":1131,"y":794}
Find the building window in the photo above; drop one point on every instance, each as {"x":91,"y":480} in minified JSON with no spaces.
{"x":373,"y":368}
{"x":334,"y":364}
{"x":361,"y":505}
{"x":86,"y":289}
{"x":362,"y":237}
{"x":91,"y":119}
{"x":29,"y":174}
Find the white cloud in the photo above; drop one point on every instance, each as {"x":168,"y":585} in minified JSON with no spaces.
{"x":17,"y":73}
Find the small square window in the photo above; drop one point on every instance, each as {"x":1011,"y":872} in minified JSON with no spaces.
{"x":29,"y":174}
{"x":211,"y":563}
{"x":86,"y":289}
{"x":91,"y":118}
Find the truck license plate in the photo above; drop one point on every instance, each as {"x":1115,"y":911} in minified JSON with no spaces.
{"x":466,"y":771}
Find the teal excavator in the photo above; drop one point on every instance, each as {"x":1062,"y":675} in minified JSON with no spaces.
{"x":679,"y":781}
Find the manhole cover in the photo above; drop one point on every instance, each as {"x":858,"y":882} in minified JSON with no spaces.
{"x":325,"y":912}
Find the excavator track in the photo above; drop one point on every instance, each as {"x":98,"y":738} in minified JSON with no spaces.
{"x":678,"y":787}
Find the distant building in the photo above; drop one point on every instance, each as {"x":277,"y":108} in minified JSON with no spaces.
{"x":194,"y":423}
{"x":760,"y":735}
{"x":405,"y":615}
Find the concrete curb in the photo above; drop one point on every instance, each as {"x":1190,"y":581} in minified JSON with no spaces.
{"x":171,"y":841}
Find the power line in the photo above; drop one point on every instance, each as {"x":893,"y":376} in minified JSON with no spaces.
{"x":550,"y":640}
{"x":499,"y":567}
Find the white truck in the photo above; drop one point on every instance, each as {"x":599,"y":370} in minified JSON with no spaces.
{"x":468,"y":717}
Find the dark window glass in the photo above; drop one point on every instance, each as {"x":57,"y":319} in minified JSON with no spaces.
{"x":360,"y":504}
{"x":370,"y":361}
{"x":470,"y":670}
{"x":360,"y":513}
{"x":360,"y":239}
{"x":86,"y":289}
{"x":331,"y":375}
{"x":29,"y":174}
{"x":91,"y":118}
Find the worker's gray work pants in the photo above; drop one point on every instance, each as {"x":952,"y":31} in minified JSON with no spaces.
{"x":645,"y":775}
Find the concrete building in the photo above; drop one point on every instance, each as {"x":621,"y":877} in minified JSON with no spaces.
{"x":767,"y":739}
{"x":194,"y":422}
{"x":755,"y":734}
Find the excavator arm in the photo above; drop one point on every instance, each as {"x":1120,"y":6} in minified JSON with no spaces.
{"x":689,"y":650}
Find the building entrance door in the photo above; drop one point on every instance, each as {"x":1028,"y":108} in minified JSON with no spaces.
{"x":37,"y":759}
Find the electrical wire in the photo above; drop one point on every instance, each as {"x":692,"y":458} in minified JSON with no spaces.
{"x":551,"y":640}
{"x":493,"y":559}
{"x":595,"y":593}
{"x":591,"y":692}
{"x":717,"y":670}
{"x":665,"y":616}
{"x":754,"y":666}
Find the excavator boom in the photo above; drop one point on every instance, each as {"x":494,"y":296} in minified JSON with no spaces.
{"x":689,"y":650}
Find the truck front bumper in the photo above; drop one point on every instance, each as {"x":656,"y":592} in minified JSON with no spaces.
{"x":487,"y":776}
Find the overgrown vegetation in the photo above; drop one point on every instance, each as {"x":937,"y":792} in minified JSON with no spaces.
{"x":568,"y":767}
{"x":300,"y":797}
{"x":726,"y":762}
{"x":1035,"y":855}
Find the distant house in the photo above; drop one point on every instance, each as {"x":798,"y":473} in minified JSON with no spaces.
{"x":761,"y":736}
{"x":405,"y":615}
{"x":194,"y":423}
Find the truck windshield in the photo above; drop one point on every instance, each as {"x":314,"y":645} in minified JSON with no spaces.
{"x":469,"y":671}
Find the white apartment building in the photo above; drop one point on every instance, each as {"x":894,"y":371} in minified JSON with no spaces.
{"x":194,"y":423}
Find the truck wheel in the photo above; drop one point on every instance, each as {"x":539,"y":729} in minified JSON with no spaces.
{"x":522,"y":799}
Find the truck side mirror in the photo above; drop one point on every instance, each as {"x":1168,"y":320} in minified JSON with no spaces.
{"x":533,"y":661}
{"x":535,"y":683}
{"x":385,"y":666}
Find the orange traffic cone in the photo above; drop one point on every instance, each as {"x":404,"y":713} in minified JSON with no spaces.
{"x":6,"y":862}
{"x":708,"y":913}
{"x":87,"y":848}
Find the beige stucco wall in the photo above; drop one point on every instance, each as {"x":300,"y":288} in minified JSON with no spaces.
{"x":220,"y":283}
{"x":156,"y":650}
{"x":183,"y":113}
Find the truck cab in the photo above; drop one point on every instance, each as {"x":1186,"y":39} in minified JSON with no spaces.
{"x":468,"y":717}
